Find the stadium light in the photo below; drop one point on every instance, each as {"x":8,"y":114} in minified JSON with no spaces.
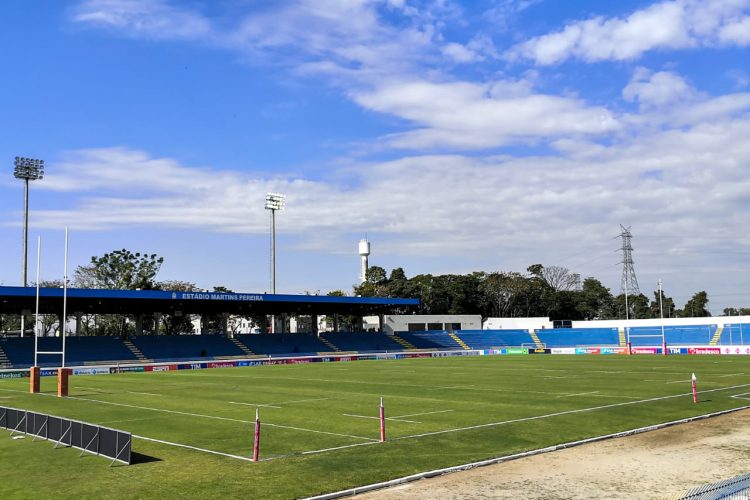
{"x":27,"y":169}
{"x":274,"y":202}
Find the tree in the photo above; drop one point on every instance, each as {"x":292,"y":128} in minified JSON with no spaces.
{"x":667,"y":305}
{"x":696,"y":306}
{"x":595,"y":300}
{"x":124,"y":270}
{"x":561,"y":278}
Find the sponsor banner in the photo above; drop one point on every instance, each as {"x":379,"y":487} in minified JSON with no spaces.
{"x":99,"y":370}
{"x":646,"y":350}
{"x":366,"y":357}
{"x":588,"y":350}
{"x":346,"y":358}
{"x":48,"y":373}
{"x":126,"y":369}
{"x":676,"y":350}
{"x":222,"y":364}
{"x":613,"y":350}
{"x":540,"y":351}
{"x":14,"y":374}
{"x":249,"y":363}
{"x":563,"y":350}
{"x":383,"y":356}
{"x":736,"y":349}
{"x":516,"y":350}
{"x":192,"y":366}
{"x":297,"y":361}
{"x":704,"y":350}
{"x":420,"y":355}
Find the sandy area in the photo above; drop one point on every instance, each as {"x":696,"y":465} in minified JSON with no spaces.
{"x":658,"y":464}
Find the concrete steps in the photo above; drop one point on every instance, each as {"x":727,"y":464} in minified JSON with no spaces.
{"x":459,"y":342}
{"x":242,"y":347}
{"x":404,"y":343}
{"x":136,"y":352}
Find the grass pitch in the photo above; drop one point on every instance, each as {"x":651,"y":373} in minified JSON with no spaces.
{"x":320,"y":430}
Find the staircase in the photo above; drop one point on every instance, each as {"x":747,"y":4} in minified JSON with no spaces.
{"x":242,"y":347}
{"x":717,"y":335}
{"x":329,"y":344}
{"x":623,"y":340}
{"x":405,"y":343}
{"x":535,"y":338}
{"x":136,"y":352}
{"x":4,"y":361}
{"x":459,"y":341}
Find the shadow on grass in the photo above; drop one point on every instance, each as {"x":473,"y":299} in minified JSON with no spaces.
{"x":140,"y":458}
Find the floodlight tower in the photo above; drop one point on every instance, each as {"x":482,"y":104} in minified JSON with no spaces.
{"x":27,"y":169}
{"x":274,"y":202}
{"x":364,"y":253}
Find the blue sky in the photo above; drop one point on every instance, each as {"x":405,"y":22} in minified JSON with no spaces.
{"x":459,"y":136}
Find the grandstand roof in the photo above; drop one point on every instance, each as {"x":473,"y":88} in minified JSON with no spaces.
{"x":13,"y":300}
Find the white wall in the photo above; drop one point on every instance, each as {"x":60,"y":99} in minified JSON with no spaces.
{"x":400,"y":322}
{"x":616,"y":323}
{"x":516,"y":323}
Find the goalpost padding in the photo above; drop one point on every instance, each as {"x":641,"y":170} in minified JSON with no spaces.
{"x":89,"y":438}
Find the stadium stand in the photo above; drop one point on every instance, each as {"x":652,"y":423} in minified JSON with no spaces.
{"x":429,"y":339}
{"x":362,"y":342}
{"x":578,"y":337}
{"x":282,"y":344}
{"x":168,"y":348}
{"x":492,"y":339}
{"x":674,"y":335}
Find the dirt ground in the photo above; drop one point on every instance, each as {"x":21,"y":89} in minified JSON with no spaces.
{"x":658,"y":464}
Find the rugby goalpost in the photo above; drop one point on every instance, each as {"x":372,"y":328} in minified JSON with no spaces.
{"x":655,"y":335}
{"x":62,"y":373}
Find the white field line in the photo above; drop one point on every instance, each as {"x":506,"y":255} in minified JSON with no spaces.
{"x":423,"y":413}
{"x":548,"y":377}
{"x":739,"y":396}
{"x":145,"y":393}
{"x":253,"y":404}
{"x":214,"y":417}
{"x":300,"y":401}
{"x":730,"y":375}
{"x":577,"y":394}
{"x":678,"y":382}
{"x":450,"y":387}
{"x":204,"y":450}
{"x":506,"y":458}
{"x":378,"y":418}
{"x":537,"y":417}
{"x":90,"y":389}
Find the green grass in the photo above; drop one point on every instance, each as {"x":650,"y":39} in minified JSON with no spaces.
{"x":306,"y":408}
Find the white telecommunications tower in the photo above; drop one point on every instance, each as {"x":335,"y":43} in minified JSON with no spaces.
{"x":364,"y":253}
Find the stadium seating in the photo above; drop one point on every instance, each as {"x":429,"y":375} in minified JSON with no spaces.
{"x":283,"y":343}
{"x":168,"y":348}
{"x":674,"y":335}
{"x":491,"y":339}
{"x":578,"y":337}
{"x":78,"y":350}
{"x":430,"y":339}
{"x":362,"y":341}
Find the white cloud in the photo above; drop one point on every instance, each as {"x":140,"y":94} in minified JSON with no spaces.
{"x":468,"y":115}
{"x":143,"y":18}
{"x":673,"y":24}
{"x":657,"y":89}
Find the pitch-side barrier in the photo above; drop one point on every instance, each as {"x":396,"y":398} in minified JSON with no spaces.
{"x":328,"y":358}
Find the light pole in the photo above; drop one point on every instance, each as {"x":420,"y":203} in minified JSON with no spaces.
{"x":274,"y":202}
{"x":28,"y":169}
{"x":661,"y":316}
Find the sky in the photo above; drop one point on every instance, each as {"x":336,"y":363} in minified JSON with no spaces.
{"x":457,"y":136}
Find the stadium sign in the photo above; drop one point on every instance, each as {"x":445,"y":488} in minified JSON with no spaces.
{"x":245,"y":297}
{"x":14,"y":374}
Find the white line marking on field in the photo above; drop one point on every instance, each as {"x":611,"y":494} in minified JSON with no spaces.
{"x":739,"y":396}
{"x":678,"y":382}
{"x":548,"y":377}
{"x":144,"y":393}
{"x":449,"y":387}
{"x":215,"y":417}
{"x":253,"y":404}
{"x":653,"y":380}
{"x":300,"y":401}
{"x":577,"y":394}
{"x":423,"y":413}
{"x":731,"y":375}
{"x":90,"y":389}
{"x":204,"y":450}
{"x":378,"y":418}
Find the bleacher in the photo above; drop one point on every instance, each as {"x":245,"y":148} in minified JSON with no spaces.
{"x":491,"y":339}
{"x":78,"y":350}
{"x":172,"y":348}
{"x":674,"y":335}
{"x":430,"y":339}
{"x":362,"y":341}
{"x":578,"y":337}
{"x":283,"y":343}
